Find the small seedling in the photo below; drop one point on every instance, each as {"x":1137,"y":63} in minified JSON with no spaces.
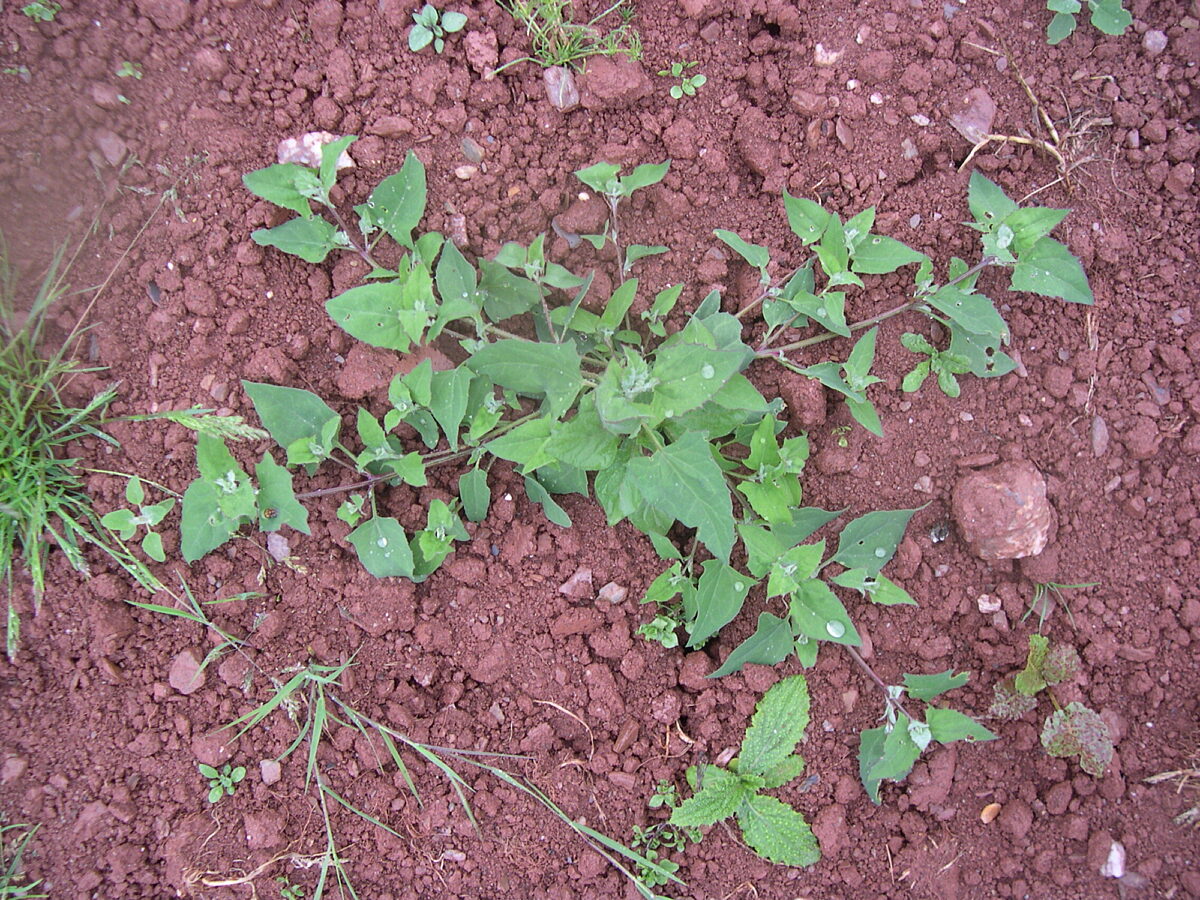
{"x":287,"y":890}
{"x":1074,"y":730}
{"x":942,"y":364}
{"x":1109,"y":16}
{"x":1044,"y":594}
{"x":688,"y":84}
{"x":771,"y":828}
{"x":21,"y":72}
{"x":126,"y":523}
{"x":431,"y":27}
{"x":222,"y":781}
{"x":129,"y":69}
{"x":42,"y":10}
{"x":662,"y":629}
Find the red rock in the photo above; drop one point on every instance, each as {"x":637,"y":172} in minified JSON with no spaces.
{"x":186,"y":676}
{"x":583,"y":620}
{"x":1002,"y":512}
{"x":613,"y":82}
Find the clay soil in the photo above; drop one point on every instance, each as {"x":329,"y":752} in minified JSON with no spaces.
{"x":101,"y":751}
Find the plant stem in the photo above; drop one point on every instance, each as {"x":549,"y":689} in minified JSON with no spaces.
{"x":777,"y":352}
{"x":862,"y":663}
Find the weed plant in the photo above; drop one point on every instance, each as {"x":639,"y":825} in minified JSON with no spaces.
{"x":558,"y":40}
{"x":14,"y":884}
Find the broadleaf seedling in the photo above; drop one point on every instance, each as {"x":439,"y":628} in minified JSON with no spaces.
{"x":222,"y":781}
{"x":688,"y":84}
{"x":767,"y":760}
{"x":431,"y":25}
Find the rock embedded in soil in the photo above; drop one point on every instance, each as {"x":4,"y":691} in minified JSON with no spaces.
{"x":186,"y":676}
{"x":481,"y":49}
{"x":169,"y":15}
{"x":1002,"y":512}
{"x":1141,"y":438}
{"x":561,"y":90}
{"x":613,"y":82}
{"x":974,"y":115}
{"x":805,"y":399}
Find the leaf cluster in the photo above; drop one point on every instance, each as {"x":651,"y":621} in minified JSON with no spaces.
{"x":767,"y":760}
{"x":431,"y":27}
{"x":1073,"y":731}
{"x":222,"y":781}
{"x":1109,"y":16}
{"x":42,"y":10}
{"x":688,"y":84}
{"x":14,"y":884}
{"x":889,"y":752}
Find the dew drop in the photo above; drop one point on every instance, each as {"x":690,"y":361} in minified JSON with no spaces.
{"x":382,"y":542}
{"x":880,"y":552}
{"x":835,"y":629}
{"x":707,"y":371}
{"x":738,"y":586}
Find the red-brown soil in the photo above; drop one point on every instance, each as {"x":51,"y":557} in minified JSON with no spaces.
{"x":101,"y":751}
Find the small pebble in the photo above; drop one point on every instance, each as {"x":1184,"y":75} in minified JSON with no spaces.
{"x":1154,"y":42}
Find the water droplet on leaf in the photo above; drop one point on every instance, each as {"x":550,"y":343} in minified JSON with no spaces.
{"x":880,"y":552}
{"x":707,"y":371}
{"x":835,"y":629}
{"x":382,"y":542}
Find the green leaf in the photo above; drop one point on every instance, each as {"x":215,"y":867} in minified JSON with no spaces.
{"x":278,"y":184}
{"x":1079,"y":731}
{"x":391,"y":314}
{"x":690,"y":375}
{"x":1032,"y":223}
{"x":448,"y":400}
{"x":1008,"y":702}
{"x":770,"y":644}
{"x":235,"y":493}
{"x":203,"y":527}
{"x":795,"y":566}
{"x":644,"y":176}
{"x":504,"y":293}
{"x":791,"y":768}
{"x":719,"y":798}
{"x":1110,"y":16}
{"x":816,"y":611}
{"x":805,"y":523}
{"x":1030,"y":680}
{"x":870,"y":541}
{"x":289,"y":414}
{"x":524,"y":445}
{"x":453,"y":21}
{"x":121,"y":521}
{"x":599,"y":177}
{"x":1050,"y":269}
{"x":539,"y":495}
{"x":776,"y":832}
{"x":949,"y":725}
{"x":878,"y":255}
{"x":152,"y":546}
{"x":582,"y":440}
{"x":1060,"y":28}
{"x":974,"y":312}
{"x":634,"y":252}
{"x":398,"y":202}
{"x":981,"y":353}
{"x":382,"y":547}
{"x":914,"y":379}
{"x":549,"y":370}
{"x":275,"y":494}
{"x":777,"y":726}
{"x":808,"y":220}
{"x":310,"y":239}
{"x":755,"y":254}
{"x":878,"y":588}
{"x":988,"y":203}
{"x":329,"y":160}
{"x":475,"y":493}
{"x":870,"y":752}
{"x":926,"y":687}
{"x":828,"y":308}
{"x":618,"y":305}
{"x":899,"y":754}
{"x":685,"y":482}
{"x":719,"y":597}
